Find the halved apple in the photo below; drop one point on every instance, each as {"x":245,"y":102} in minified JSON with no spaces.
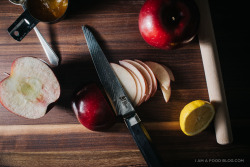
{"x":154,"y":82}
{"x":146,"y":75}
{"x":140,"y":77}
{"x":126,"y":80}
{"x":30,"y":88}
{"x":160,"y":73}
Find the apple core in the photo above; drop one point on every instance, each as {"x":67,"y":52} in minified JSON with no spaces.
{"x":30,"y":88}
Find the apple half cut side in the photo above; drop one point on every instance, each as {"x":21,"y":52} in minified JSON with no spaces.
{"x":140,"y":77}
{"x":126,"y":80}
{"x":154,"y":81}
{"x":160,"y":73}
{"x":146,"y":75}
{"x":30,"y":88}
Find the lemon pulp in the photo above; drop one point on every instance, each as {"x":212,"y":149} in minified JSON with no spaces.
{"x":196,"y":116}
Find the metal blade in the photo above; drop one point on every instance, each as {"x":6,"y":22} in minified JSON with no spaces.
{"x":110,"y":82}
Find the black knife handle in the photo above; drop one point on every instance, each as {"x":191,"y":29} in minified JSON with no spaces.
{"x":22,"y":26}
{"x":143,"y":141}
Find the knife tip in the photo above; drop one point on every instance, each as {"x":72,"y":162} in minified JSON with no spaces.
{"x":85,"y":27}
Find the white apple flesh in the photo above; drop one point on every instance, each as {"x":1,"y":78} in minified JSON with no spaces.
{"x":160,"y":73}
{"x":146,"y":75}
{"x":126,"y":80}
{"x":30,"y":88}
{"x":171,"y":75}
{"x":140,"y":77}
{"x":154,"y":83}
{"x":139,"y":95}
{"x":166,"y":93}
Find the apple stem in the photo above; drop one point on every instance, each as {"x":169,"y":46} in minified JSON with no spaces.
{"x":7,"y":74}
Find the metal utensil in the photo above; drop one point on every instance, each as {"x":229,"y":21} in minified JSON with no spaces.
{"x":120,"y":100}
{"x":51,"y":55}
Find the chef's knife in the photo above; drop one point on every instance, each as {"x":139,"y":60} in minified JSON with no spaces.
{"x":120,"y":100}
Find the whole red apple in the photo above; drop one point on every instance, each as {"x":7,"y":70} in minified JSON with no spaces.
{"x":93,"y":109}
{"x":168,"y":24}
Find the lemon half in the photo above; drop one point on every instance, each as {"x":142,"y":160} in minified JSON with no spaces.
{"x":196,"y":116}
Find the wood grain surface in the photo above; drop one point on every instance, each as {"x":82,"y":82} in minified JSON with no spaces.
{"x":59,"y":140}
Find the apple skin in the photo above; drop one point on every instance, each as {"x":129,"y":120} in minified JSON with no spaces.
{"x":168,"y":24}
{"x":93,"y":109}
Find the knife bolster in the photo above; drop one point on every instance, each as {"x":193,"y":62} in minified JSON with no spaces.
{"x":133,"y":120}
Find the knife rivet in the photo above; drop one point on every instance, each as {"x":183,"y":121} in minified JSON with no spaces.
{"x":123,"y":98}
{"x":124,"y":101}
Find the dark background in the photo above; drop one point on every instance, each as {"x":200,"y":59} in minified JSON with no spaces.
{"x":230,"y":20}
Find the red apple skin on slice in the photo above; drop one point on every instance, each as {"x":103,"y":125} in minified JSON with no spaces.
{"x":146,"y":75}
{"x":154,"y":81}
{"x":30,"y":88}
{"x":126,"y":79}
{"x":137,"y":73}
{"x":166,"y":93}
{"x":160,"y":73}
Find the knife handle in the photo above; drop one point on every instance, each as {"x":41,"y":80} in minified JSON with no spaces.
{"x":143,"y":141}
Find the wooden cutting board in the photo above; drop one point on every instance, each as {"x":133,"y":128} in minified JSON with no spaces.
{"x":58,"y":139}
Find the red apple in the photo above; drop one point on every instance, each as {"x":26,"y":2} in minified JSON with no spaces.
{"x":167,"y":24}
{"x":93,"y":109}
{"x":30,"y":88}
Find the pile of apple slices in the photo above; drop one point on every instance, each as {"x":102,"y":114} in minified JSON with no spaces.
{"x":139,"y":79}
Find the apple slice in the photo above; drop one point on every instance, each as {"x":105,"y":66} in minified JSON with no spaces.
{"x":171,"y":75}
{"x":146,"y":75}
{"x":154,"y":82}
{"x":140,"y":77}
{"x":139,"y":95}
{"x":166,"y":93}
{"x":30,"y":88}
{"x":126,"y":80}
{"x":160,"y":73}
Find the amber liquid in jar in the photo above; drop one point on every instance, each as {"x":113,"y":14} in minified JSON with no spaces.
{"x":47,"y":10}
